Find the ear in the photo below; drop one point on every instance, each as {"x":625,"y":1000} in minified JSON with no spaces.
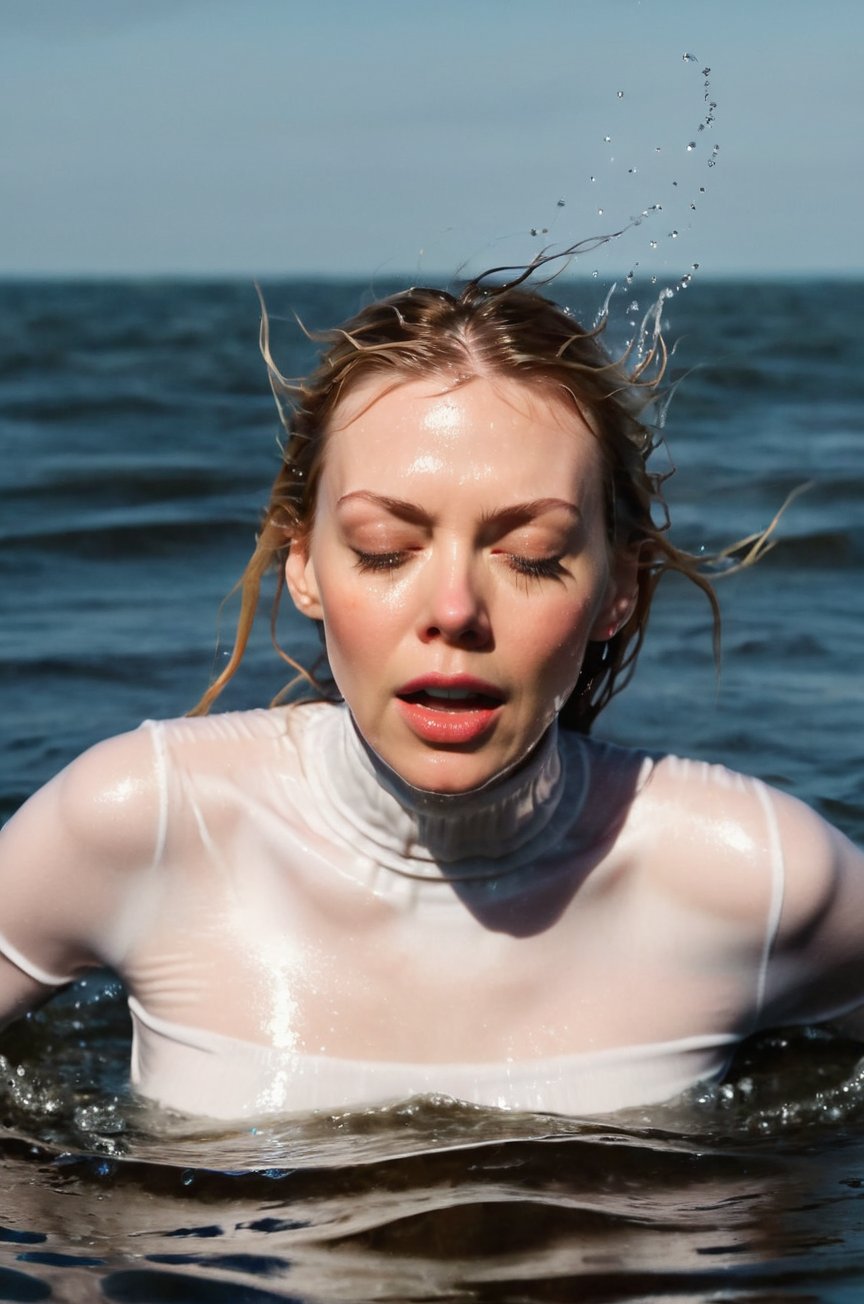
{"x":620,"y":597}
{"x":301,"y":580}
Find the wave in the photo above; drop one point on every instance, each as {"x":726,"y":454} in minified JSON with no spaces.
{"x":428,"y":1198}
{"x":118,"y":540}
{"x":833,"y":550}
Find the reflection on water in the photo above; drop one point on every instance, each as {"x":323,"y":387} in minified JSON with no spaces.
{"x":741,"y":1191}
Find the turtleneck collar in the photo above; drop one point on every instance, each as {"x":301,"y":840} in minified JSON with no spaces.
{"x":482,"y":833}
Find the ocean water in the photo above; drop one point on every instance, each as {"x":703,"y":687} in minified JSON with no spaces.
{"x":137,"y":441}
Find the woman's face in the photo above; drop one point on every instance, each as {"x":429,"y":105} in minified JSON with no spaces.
{"x":459,"y":560}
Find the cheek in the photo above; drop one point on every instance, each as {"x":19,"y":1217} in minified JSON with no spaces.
{"x":358,"y":625}
{"x":560,"y":639}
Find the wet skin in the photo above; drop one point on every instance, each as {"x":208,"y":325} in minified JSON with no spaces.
{"x":460,"y":562}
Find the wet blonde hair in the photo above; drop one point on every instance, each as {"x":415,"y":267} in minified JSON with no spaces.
{"x":493,"y":330}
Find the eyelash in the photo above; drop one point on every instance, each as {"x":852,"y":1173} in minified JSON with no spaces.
{"x":537,"y":568}
{"x":378,"y":561}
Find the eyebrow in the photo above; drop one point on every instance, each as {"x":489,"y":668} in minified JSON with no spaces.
{"x":519,"y":512}
{"x":515,"y":513}
{"x":396,"y":506}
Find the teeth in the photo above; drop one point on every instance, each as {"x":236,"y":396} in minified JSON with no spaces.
{"x":450,"y":694}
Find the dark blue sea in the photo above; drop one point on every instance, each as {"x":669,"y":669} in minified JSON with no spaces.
{"x":137,"y":442}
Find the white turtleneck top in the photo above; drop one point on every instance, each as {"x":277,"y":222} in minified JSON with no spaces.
{"x":298,"y":929}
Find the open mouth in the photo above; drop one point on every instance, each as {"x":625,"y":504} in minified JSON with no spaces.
{"x":450,"y":711}
{"x":452,"y":699}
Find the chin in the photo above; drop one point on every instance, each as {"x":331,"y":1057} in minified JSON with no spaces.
{"x":450,"y":773}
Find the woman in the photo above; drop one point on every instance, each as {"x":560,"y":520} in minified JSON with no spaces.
{"x":440,"y":883}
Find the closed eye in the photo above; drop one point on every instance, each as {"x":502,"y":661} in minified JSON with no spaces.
{"x":532,"y":567}
{"x":536,"y":567}
{"x":378,"y":561}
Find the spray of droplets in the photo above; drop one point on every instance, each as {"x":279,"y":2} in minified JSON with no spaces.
{"x":695,"y":149}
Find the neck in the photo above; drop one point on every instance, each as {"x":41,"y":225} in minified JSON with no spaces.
{"x":447,"y":804}
{"x":423,"y":834}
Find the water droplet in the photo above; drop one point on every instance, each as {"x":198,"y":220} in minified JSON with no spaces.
{"x":653,"y":244}
{"x":599,"y":212}
{"x":607,"y":139}
{"x":561,"y":203}
{"x":673,"y":235}
{"x":658,"y":149}
{"x":693,"y":206}
{"x":674,"y":183}
{"x":595,"y":273}
{"x":689,"y":58}
{"x":706,"y":72}
{"x":701,"y":190}
{"x":620,"y":95}
{"x":695,"y":267}
{"x":631,"y":171}
{"x":691,"y":145}
{"x":716,"y":149}
{"x":634,"y":307}
{"x":534,"y":231}
{"x":592,"y":178}
{"x":653,"y":280}
{"x":684,"y":282}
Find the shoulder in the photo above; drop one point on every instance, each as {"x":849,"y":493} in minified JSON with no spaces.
{"x":115,"y":797}
{"x":261,"y":726}
{"x":694,"y":801}
{"x":707,"y":836}
{"x":104,"y":803}
{"x":234,"y":742}
{"x":731,"y":839}
{"x":74,"y":855}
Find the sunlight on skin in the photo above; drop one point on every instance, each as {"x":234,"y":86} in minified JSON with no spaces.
{"x":458,"y":535}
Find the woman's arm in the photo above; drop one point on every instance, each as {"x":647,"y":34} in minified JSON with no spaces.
{"x":816,"y":969}
{"x":74,"y":862}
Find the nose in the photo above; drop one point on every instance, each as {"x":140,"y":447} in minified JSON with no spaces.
{"x":455,"y":607}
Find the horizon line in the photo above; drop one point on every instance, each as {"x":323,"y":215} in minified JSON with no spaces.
{"x":406,"y":277}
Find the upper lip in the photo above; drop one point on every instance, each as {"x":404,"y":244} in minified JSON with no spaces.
{"x":467,"y":683}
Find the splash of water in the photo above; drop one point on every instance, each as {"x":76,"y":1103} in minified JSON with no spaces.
{"x":568,"y":255}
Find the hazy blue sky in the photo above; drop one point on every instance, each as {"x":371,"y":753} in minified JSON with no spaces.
{"x":280,"y":136}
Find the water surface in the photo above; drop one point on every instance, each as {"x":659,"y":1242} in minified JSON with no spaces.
{"x":137,"y":438}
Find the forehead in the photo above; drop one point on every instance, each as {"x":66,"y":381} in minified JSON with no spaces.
{"x":485,"y":429}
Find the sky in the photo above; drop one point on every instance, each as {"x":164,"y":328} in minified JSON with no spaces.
{"x":309,"y":137}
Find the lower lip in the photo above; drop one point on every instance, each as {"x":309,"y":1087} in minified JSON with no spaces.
{"x":448,"y":723}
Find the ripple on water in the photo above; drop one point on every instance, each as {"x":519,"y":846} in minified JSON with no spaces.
{"x":721,"y":1190}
